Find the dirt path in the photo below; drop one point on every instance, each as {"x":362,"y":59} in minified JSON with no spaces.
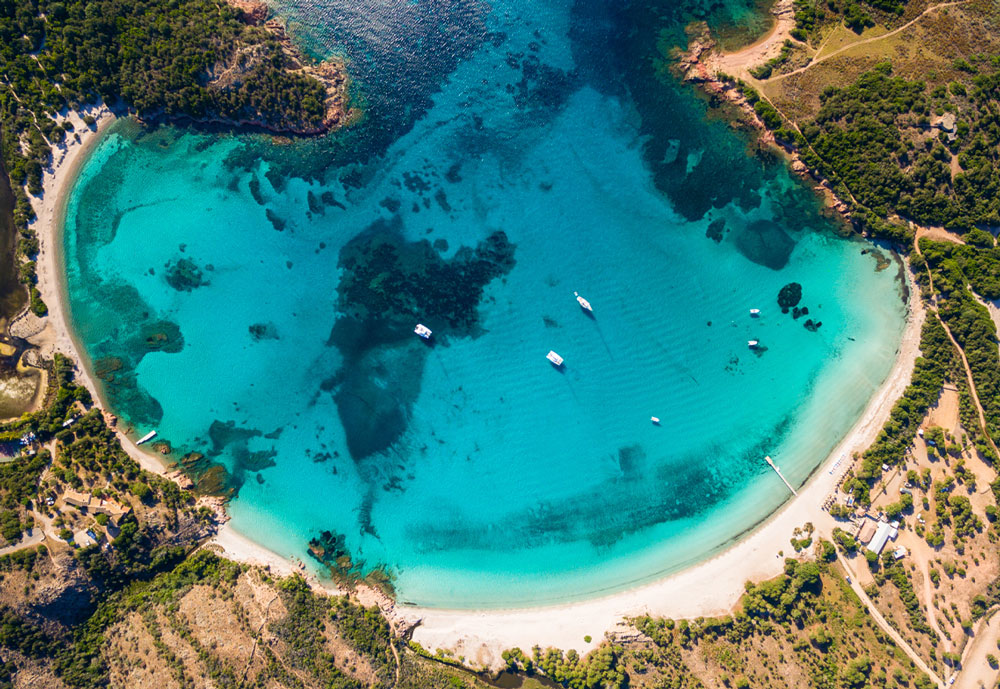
{"x":888,"y":628}
{"x":837,"y":52}
{"x":30,"y":539}
{"x":929,"y":604}
{"x":976,"y":672}
{"x":256,"y":638}
{"x":395,"y":654}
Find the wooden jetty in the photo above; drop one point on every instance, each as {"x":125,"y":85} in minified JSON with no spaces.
{"x":774,"y":466}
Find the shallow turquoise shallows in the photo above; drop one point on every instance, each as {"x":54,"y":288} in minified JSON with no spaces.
{"x":254,"y":301}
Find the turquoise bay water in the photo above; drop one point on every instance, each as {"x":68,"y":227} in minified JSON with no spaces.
{"x":255,"y":302}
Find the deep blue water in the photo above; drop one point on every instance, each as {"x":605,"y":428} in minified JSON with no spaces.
{"x":254,"y":301}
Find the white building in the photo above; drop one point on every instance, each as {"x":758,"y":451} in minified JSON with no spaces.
{"x":883,"y":533}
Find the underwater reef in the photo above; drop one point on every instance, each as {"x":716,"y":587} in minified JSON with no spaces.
{"x":388,"y":285}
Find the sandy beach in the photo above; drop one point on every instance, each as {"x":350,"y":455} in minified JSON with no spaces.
{"x":232,"y":544}
{"x":709,"y":588}
{"x":52,"y":333}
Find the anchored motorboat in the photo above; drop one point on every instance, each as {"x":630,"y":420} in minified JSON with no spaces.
{"x":752,"y":344}
{"x":423,"y":331}
{"x":754,"y":313}
{"x":655,"y":420}
{"x":554,"y":358}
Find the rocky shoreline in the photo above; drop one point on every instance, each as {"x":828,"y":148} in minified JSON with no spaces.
{"x":700,"y":65}
{"x":330,"y":73}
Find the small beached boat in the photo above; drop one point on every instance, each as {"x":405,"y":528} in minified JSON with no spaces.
{"x":146,"y":438}
{"x":752,"y":344}
{"x":584,"y":304}
{"x":655,"y":420}
{"x":554,"y":358}
{"x":423,"y":331}
{"x":754,"y":313}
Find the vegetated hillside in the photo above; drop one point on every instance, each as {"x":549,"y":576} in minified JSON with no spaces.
{"x":160,"y":58}
{"x":805,"y":628}
{"x":964,"y":276}
{"x":80,"y":521}
{"x":210,"y":622}
{"x":900,"y":147}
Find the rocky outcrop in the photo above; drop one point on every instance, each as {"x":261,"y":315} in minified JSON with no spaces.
{"x":251,"y":11}
{"x":331,"y":74}
{"x":62,"y":601}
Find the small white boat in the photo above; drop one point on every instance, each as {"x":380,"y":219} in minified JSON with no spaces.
{"x":423,"y":331}
{"x":554,"y":358}
{"x":584,"y":304}
{"x":752,"y":344}
{"x":146,"y":438}
{"x":655,"y":420}
{"x":754,"y":313}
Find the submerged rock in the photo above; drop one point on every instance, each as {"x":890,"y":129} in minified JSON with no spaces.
{"x":388,"y":281}
{"x":276,"y":222}
{"x":330,"y":549}
{"x":263,"y":331}
{"x":789,"y":296}
{"x":672,"y":150}
{"x":223,"y":434}
{"x":716,"y":230}
{"x":184,"y":275}
{"x":442,"y":200}
{"x":215,"y":480}
{"x":162,"y":336}
{"x":766,"y":244}
{"x":256,"y":461}
{"x":106,"y":367}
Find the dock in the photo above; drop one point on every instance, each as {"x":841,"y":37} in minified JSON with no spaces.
{"x":770,"y":463}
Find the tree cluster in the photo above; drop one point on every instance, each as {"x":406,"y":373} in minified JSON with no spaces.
{"x":874,"y":140}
